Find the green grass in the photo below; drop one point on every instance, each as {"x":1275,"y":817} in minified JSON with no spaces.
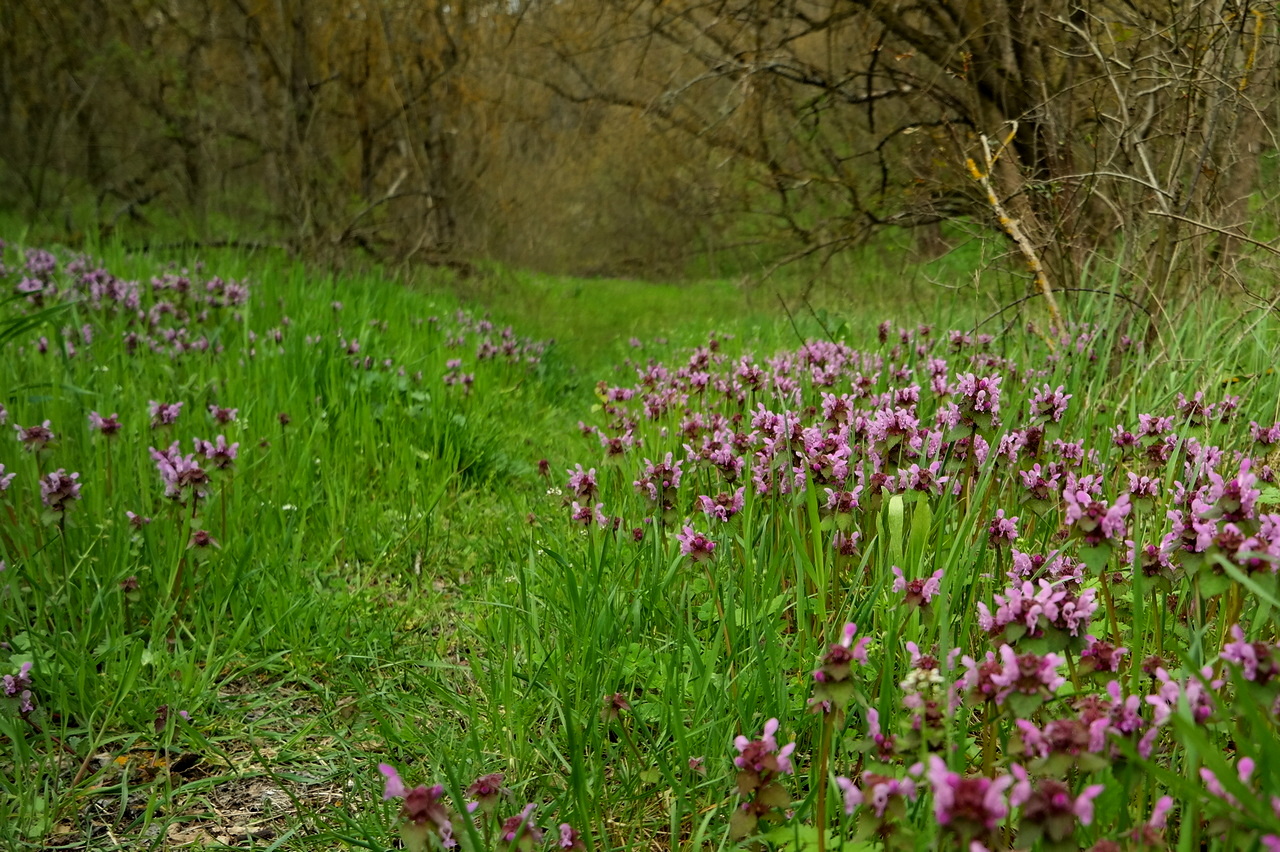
{"x":395,"y":583}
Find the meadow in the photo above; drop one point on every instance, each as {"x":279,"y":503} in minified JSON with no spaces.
{"x":294,"y":560}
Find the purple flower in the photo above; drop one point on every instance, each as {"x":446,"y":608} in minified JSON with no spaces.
{"x":519,"y":832}
{"x":583,"y":482}
{"x":1021,"y":608}
{"x":486,"y":790}
{"x":19,"y":687}
{"x":1213,"y":785}
{"x":1048,"y":406}
{"x":1101,"y":656}
{"x":136,"y":521}
{"x":614,"y":706}
{"x":978,"y":400}
{"x":219,"y":452}
{"x":58,"y":490}
{"x":978,"y":680}
{"x":724,"y":505}
{"x":1049,"y":809}
{"x":1039,"y":484}
{"x":1263,"y":435}
{"x":223,"y":416}
{"x":569,"y":838}
{"x":1145,"y":488}
{"x":587,"y":514}
{"x":1231,"y":500}
{"x":695,"y":545}
{"x":1091,"y":518}
{"x":35,"y":438}
{"x":1258,"y":661}
{"x":183,"y":479}
{"x":1027,"y":674}
{"x":837,"y":666}
{"x":1195,"y":410}
{"x":422,"y":813}
{"x":762,"y":758}
{"x":1196,"y":691}
{"x":918,"y":592}
{"x":877,"y":792}
{"x":659,"y":478}
{"x":922,"y":479}
{"x":973,"y":807}
{"x":163,"y":413}
{"x":1002,"y":530}
{"x":5,"y":479}
{"x":203,"y":540}
{"x":108,"y":426}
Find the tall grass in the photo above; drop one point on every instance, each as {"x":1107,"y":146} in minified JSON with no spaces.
{"x":400,"y":574}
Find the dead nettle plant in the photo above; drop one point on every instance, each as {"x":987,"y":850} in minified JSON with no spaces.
{"x":1035,"y":600}
{"x":177,"y":453}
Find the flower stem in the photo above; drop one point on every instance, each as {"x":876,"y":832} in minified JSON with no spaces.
{"x":823,"y":749}
{"x":1111,"y":606}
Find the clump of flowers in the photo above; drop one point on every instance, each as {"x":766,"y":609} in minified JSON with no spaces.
{"x":1259,"y":662}
{"x":184,"y":480}
{"x":18,"y":688}
{"x":163,"y":413}
{"x":107,"y":426}
{"x":695,"y":545}
{"x":761,"y":764}
{"x":833,"y":688}
{"x":423,"y":813}
{"x":883,"y":800}
{"x":58,"y":490}
{"x":917,"y":593}
{"x":1050,"y":811}
{"x":35,"y":438}
{"x":972,"y":808}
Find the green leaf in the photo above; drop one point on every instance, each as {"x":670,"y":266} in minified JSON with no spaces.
{"x":897,"y":519}
{"x":1095,"y":558}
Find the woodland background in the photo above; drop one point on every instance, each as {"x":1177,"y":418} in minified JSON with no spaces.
{"x":1131,"y":139}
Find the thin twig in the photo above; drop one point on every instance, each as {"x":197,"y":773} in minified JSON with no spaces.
{"x":1037,"y":294}
{"x":1011,"y":226}
{"x":1217,"y":230}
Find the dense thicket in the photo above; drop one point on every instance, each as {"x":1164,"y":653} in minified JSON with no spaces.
{"x":636,"y":134}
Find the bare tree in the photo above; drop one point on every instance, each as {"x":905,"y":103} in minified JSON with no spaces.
{"x":1108,"y":127}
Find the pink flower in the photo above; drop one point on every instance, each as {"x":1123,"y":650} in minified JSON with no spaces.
{"x":1091,"y":518}
{"x":422,"y":813}
{"x":108,"y":425}
{"x":918,"y":592}
{"x":1002,"y":530}
{"x":877,"y":792}
{"x":695,"y":545}
{"x":763,"y":757}
{"x":1027,"y":674}
{"x":59,"y":489}
{"x":970,"y":805}
{"x":163,"y":413}
{"x":1049,"y":806}
{"x":588,"y":514}
{"x":1258,"y":661}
